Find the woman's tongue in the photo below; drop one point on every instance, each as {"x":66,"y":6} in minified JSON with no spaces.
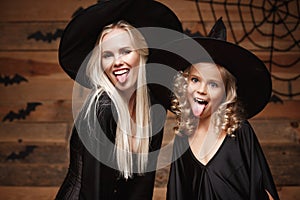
{"x":197,"y":109}
{"x":122,"y":77}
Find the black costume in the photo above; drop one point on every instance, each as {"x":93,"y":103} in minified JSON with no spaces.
{"x":237,"y":171}
{"x":90,"y":179}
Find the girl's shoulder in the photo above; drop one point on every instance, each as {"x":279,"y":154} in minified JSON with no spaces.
{"x":246,"y":134}
{"x":245,"y":128}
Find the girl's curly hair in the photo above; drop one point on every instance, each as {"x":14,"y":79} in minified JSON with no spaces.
{"x":227,"y":117}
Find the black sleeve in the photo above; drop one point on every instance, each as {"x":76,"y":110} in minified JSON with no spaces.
{"x":260,"y":174}
{"x":178,"y":187}
{"x":71,"y":185}
{"x":98,"y":174}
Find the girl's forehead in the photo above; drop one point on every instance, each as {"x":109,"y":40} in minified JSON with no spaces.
{"x":205,"y":70}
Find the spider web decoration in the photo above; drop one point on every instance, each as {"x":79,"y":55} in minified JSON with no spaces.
{"x":276,"y":21}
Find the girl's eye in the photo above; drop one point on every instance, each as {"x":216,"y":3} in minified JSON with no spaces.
{"x":194,"y":80}
{"x":107,"y":55}
{"x":213,"y":84}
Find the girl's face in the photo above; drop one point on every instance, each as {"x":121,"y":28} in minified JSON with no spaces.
{"x":206,"y":89}
{"x":120,"y":60}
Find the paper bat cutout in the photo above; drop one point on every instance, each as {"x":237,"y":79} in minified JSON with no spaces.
{"x":276,"y":99}
{"x":48,"y":37}
{"x":189,"y":33}
{"x":23,"y":113}
{"x":6,"y":80}
{"x":22,"y":154}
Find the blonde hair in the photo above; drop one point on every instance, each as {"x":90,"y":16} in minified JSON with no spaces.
{"x":101,"y":83}
{"x":227,"y":117}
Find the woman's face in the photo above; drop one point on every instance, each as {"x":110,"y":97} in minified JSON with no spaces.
{"x":120,"y":60}
{"x":205,"y":89}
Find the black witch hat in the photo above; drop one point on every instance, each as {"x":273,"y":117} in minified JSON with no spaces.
{"x":254,"y":83}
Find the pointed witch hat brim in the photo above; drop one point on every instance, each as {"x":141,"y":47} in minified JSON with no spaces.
{"x":254,"y":85}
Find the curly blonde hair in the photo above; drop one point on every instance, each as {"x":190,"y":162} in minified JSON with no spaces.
{"x":227,"y":117}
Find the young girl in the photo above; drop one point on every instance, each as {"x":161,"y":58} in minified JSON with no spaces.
{"x":217,"y":154}
{"x":114,"y":143}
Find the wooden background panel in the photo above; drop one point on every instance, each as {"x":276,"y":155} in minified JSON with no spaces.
{"x":19,"y":10}
{"x":30,"y":36}
{"x":287,"y":110}
{"x":28,"y":193}
{"x":43,"y":10}
{"x":284,"y":162}
{"x":277,"y":130}
{"x":35,"y":174}
{"x":50,"y":57}
{"x":38,"y":89}
{"x":30,"y":67}
{"x":34,"y":132}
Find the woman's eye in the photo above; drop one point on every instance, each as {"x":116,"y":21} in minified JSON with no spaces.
{"x":107,"y":55}
{"x":125,"y":51}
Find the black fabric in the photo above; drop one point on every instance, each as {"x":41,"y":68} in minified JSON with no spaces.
{"x":238,"y":171}
{"x":89,"y":179}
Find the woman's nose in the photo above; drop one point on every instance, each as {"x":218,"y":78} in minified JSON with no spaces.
{"x":118,"y":61}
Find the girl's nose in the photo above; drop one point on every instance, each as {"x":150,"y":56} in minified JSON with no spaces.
{"x":202,"y":88}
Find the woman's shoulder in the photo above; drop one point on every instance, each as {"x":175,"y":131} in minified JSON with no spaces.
{"x":104,"y":106}
{"x":104,"y":98}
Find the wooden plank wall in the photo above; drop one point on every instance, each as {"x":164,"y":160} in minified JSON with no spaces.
{"x":33,"y":146}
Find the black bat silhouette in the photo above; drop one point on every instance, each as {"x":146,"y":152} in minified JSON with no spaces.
{"x":22,"y":154}
{"x":22,"y":112}
{"x":276,"y":99}
{"x":189,"y":33}
{"x":48,"y":37}
{"x":6,"y":80}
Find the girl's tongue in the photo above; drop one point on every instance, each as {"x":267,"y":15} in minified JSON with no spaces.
{"x":198,"y":109}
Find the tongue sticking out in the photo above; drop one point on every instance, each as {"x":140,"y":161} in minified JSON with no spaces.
{"x":198,"y":109}
{"x":122,"y":78}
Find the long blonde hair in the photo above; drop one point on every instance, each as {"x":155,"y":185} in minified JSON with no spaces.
{"x":227,"y":117}
{"x":101,"y":83}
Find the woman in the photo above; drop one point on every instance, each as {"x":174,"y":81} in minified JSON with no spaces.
{"x":113,"y":147}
